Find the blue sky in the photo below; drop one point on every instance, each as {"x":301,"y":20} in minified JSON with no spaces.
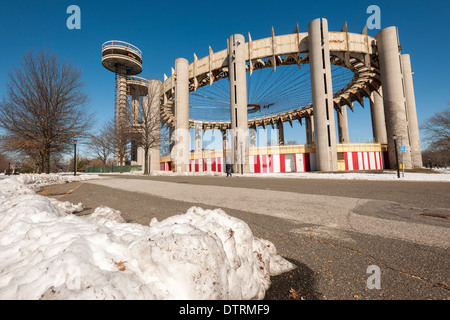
{"x":165,"y":31}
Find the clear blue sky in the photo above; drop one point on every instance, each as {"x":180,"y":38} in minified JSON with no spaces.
{"x":165,"y":31}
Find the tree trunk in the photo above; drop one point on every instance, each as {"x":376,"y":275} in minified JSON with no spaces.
{"x":47,"y":162}
{"x":146,"y":171}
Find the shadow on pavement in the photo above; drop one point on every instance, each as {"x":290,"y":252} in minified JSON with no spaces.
{"x":298,"y":284}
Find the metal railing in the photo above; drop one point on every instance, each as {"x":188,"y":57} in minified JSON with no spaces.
{"x":111,"y":44}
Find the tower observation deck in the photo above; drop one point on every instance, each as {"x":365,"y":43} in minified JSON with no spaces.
{"x":124,"y":59}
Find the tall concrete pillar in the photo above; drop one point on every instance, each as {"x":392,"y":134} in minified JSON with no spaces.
{"x":238,"y":102}
{"x":411,"y":113}
{"x":197,"y":137}
{"x":171,"y":140}
{"x":342,"y":125}
{"x":393,"y":94}
{"x":252,"y":137}
{"x":153,"y":101}
{"x":322,"y":96}
{"x":309,"y":125}
{"x":181,"y":135}
{"x":280,"y":128}
{"x":121,"y":95}
{"x":134,"y":109}
{"x":226,"y":152}
{"x":198,"y":154}
{"x":377,"y":115}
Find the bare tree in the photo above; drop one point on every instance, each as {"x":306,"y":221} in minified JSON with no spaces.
{"x":437,"y":136}
{"x":44,"y":109}
{"x":438,"y":126}
{"x":119,"y":136}
{"x":101,"y":146}
{"x":147,"y":131}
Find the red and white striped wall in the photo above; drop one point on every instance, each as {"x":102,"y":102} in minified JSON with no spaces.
{"x":298,"y":162}
{"x":165,"y":166}
{"x":363,"y":161}
{"x":206,"y":165}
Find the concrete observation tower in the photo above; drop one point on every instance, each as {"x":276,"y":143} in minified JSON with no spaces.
{"x":125,"y":60}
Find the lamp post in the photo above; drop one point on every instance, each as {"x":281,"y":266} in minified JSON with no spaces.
{"x":396,"y":155}
{"x":74,"y":157}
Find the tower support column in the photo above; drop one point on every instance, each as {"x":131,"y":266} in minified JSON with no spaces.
{"x":377,"y":115}
{"x":181,"y":152}
{"x":393,"y":94}
{"x":121,"y":95}
{"x":322,"y":96}
{"x":411,"y":113}
{"x":280,"y":128}
{"x":154,"y":103}
{"x":309,"y":126}
{"x":342,"y":124}
{"x":238,"y":102}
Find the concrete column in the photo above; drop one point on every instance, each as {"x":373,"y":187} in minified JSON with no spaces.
{"x":225,"y":149}
{"x":121,"y":95}
{"x":322,"y":96}
{"x":181,"y":153}
{"x":393,"y":95}
{"x":134,"y":109}
{"x":197,"y":137}
{"x":342,"y":125}
{"x":237,"y":77}
{"x":411,"y":113}
{"x":280,"y":128}
{"x":377,"y":115}
{"x":171,"y":138}
{"x":133,"y":151}
{"x":252,"y":137}
{"x":309,"y":124}
{"x":198,"y":154}
{"x":154,"y":102}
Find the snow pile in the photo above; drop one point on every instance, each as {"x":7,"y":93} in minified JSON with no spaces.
{"x":48,"y":253}
{"x":28,"y":183}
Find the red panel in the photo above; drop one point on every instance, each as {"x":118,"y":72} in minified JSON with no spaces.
{"x":264,"y":163}
{"x":213,"y":164}
{"x":270,"y":163}
{"x":257,"y":164}
{"x":307,"y":161}
{"x":282,"y":163}
{"x":355,"y":160}
{"x":295,"y":162}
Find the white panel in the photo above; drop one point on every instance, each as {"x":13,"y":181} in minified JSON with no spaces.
{"x":251,"y":163}
{"x":312,"y":161}
{"x":360,"y":161}
{"x":289,"y":162}
{"x":299,"y":162}
{"x":276,"y":163}
{"x":373,"y":164}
